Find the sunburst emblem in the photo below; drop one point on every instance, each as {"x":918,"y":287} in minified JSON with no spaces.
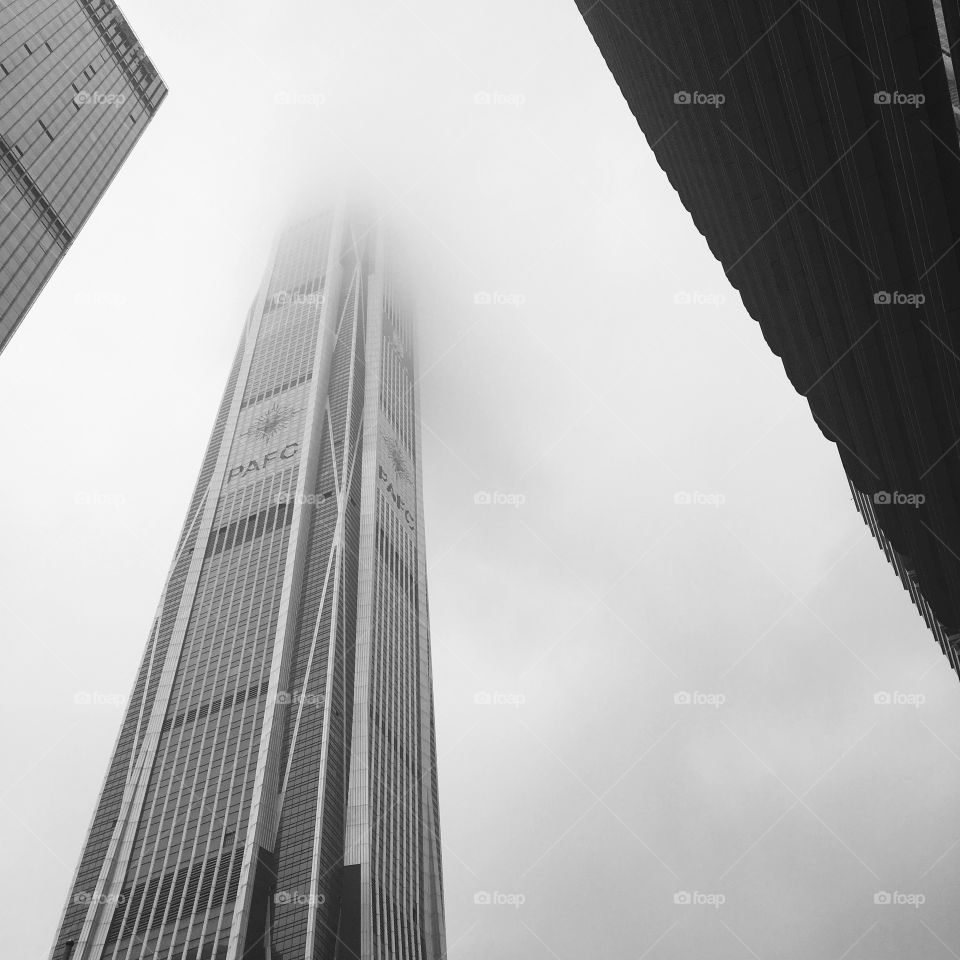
{"x":271,"y":421}
{"x":397,"y":459}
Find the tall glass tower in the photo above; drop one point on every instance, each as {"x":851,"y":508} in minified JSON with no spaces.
{"x":76,"y":93}
{"x":273,"y":790}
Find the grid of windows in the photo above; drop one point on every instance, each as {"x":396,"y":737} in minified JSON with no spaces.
{"x":195,"y":851}
{"x":77,"y":92}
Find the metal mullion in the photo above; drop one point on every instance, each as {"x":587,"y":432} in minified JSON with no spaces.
{"x":157,"y":634}
{"x":155,"y":770}
{"x":227,"y":725}
{"x":4,"y":24}
{"x":30,"y":82}
{"x":149,"y":815}
{"x":409,"y":740}
{"x":343,"y":479}
{"x":183,"y":699}
{"x":274,"y":603}
{"x":47,"y":233}
{"x":221,"y":724}
{"x":42,"y":169}
{"x":294,"y":346}
{"x":256,"y":567}
{"x":124,"y":837}
{"x":26,"y":75}
{"x":376,"y":753}
{"x":124,"y":134}
{"x":288,"y":347}
{"x":394,"y":812}
{"x":375,"y":855}
{"x":159,"y":763}
{"x":77,"y":51}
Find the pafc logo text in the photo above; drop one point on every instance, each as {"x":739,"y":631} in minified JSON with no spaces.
{"x":253,"y":466}
{"x":398,"y":501}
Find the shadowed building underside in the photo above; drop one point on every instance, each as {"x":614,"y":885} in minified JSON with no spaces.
{"x":814,"y":143}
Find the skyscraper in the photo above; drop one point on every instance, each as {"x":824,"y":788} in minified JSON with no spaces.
{"x":273,"y":791}
{"x":816,"y":147}
{"x":76,"y":93}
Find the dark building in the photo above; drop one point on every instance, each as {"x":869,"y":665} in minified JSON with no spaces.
{"x":76,"y":92}
{"x":815,"y":144}
{"x":273,"y":791}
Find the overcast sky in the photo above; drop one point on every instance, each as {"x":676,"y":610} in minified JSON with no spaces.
{"x":613,"y":373}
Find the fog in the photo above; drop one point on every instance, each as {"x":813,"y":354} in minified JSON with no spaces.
{"x":684,"y":707}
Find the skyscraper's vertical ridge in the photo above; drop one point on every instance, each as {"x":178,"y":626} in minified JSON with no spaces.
{"x":268,"y":685}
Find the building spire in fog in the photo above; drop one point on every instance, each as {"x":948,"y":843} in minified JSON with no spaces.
{"x":273,"y":791}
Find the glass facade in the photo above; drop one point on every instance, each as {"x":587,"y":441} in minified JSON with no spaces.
{"x":273,"y":792}
{"x":76,"y":92}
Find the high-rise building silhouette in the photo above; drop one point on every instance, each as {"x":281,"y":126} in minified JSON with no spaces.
{"x":273,"y":791}
{"x":76,"y":93}
{"x":816,"y":147}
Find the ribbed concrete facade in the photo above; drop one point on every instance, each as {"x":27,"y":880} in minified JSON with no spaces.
{"x":273,"y":793}
{"x":815,"y":144}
